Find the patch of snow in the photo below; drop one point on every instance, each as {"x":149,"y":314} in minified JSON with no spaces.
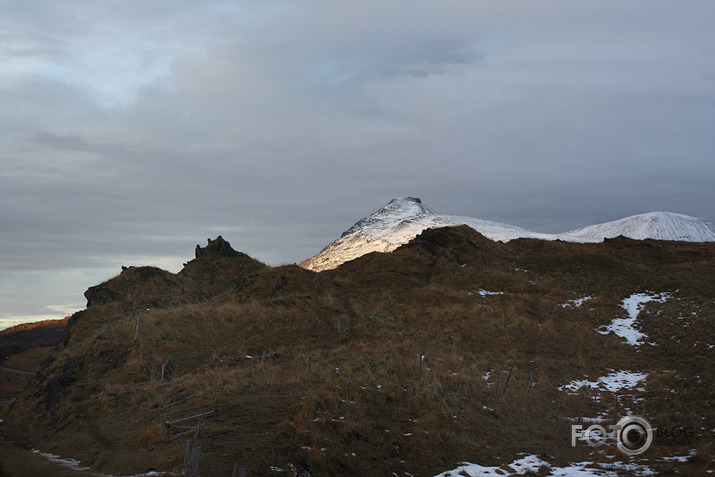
{"x":576,"y":302}
{"x":533,"y":463}
{"x":625,"y":327}
{"x":614,"y":381}
{"x":69,"y":463}
{"x":483,"y":292}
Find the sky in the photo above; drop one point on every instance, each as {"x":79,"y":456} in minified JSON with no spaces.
{"x":131,"y":131}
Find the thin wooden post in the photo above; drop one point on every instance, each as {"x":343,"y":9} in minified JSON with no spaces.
{"x":263,"y":358}
{"x":528,"y":388}
{"x":198,"y":416}
{"x":583,"y":403}
{"x":188,"y":453}
{"x":563,"y":391}
{"x":180,"y":401}
{"x":422,"y":357}
{"x":506,"y":383}
{"x":197,"y":461}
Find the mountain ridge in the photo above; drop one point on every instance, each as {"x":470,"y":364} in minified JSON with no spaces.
{"x":403,"y":218}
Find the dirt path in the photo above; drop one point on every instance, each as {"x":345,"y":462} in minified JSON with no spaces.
{"x":18,"y":371}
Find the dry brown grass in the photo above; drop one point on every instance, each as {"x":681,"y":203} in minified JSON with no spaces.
{"x":325,"y":400}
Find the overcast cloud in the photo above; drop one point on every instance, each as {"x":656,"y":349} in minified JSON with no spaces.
{"x":131,"y":131}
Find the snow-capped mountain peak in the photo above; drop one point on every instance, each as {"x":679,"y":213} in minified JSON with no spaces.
{"x":402,"y":219}
{"x":653,"y":225}
{"x":396,"y":210}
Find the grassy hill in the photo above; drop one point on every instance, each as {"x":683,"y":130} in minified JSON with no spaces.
{"x":407,"y":363}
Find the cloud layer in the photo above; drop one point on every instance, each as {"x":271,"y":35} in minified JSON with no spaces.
{"x":134,"y":130}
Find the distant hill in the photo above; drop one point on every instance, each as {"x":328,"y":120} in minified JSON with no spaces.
{"x":404,"y":218}
{"x":23,"y":337}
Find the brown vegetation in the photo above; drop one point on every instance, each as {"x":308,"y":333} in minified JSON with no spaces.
{"x":330,"y":400}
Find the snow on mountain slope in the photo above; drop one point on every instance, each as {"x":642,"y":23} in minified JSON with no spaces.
{"x":404,"y":218}
{"x":397,"y":223}
{"x":653,"y":225}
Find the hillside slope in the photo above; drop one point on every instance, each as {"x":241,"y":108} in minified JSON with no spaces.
{"x":452,"y":348}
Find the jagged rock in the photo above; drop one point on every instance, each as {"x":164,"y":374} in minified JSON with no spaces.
{"x":55,"y":388}
{"x":99,"y":295}
{"x":218,"y":247}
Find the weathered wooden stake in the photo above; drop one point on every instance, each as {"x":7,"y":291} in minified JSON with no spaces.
{"x":186,"y":419}
{"x":180,"y":401}
{"x":422,"y":357}
{"x":197,"y":461}
{"x":506,"y":383}
{"x":563,"y":391}
{"x":263,"y":358}
{"x":583,"y":403}
{"x":528,"y":388}
{"x":188,"y":454}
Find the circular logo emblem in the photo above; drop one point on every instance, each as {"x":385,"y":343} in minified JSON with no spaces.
{"x":634,"y":435}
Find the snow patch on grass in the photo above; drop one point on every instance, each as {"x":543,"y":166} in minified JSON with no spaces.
{"x":614,"y":381}
{"x":532,"y":463}
{"x":625,"y":327}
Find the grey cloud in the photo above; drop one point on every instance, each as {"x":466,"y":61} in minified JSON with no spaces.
{"x":139,"y":129}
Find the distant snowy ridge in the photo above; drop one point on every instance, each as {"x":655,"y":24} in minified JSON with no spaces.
{"x":404,"y":218}
{"x":653,"y":225}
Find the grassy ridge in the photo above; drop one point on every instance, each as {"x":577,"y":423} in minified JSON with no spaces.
{"x":330,"y":400}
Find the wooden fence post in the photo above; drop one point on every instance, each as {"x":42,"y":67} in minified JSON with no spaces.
{"x":263,"y":358}
{"x":506,"y":383}
{"x":563,"y":391}
{"x":528,"y":388}
{"x":583,"y":403}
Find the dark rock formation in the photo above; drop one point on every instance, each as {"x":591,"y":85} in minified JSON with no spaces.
{"x":99,"y":295}
{"x":218,"y":247}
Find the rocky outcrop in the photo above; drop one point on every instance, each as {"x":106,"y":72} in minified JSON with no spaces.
{"x":217,"y":247}
{"x":99,"y":295}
